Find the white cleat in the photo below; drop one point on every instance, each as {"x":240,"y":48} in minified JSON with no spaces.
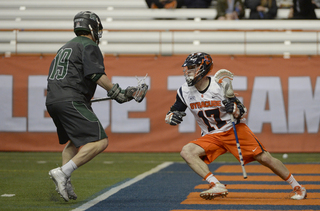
{"x":70,"y":191}
{"x":60,"y":179}
{"x":215,"y":190}
{"x":300,"y":193}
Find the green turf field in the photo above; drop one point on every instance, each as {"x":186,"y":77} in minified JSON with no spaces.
{"x":25,"y":174}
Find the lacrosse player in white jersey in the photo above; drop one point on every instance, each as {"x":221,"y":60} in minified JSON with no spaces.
{"x":207,"y":101}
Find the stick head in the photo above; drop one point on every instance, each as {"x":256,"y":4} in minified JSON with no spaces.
{"x":140,"y":92}
{"x":225,"y":77}
{"x":142,"y":89}
{"x":228,"y":90}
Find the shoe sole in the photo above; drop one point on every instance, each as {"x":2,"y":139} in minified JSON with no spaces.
{"x":300,"y":199}
{"x":56,"y":184}
{"x":71,"y":196}
{"x":209,"y":196}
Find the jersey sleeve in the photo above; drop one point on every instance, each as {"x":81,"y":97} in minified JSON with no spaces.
{"x":179,"y":105}
{"x":92,"y":60}
{"x":95,"y":76}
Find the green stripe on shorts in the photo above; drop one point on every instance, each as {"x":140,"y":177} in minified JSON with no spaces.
{"x":88,"y":114}
{"x":84,"y":111}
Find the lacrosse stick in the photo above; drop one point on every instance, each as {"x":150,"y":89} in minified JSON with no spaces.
{"x":138,"y":95}
{"x":224,"y":77}
{"x":100,"y":99}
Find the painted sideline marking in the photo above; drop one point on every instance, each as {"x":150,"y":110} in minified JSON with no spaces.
{"x":122,"y":186}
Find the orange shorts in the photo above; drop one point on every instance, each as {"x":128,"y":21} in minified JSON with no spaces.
{"x":219,"y":143}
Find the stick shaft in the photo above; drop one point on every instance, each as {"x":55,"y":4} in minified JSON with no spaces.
{"x":238,"y":147}
{"x":100,"y":99}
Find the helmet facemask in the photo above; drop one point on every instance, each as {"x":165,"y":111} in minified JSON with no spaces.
{"x":96,"y":35}
{"x":190,"y":73}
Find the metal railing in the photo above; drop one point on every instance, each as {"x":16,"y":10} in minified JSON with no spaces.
{"x":169,"y":42}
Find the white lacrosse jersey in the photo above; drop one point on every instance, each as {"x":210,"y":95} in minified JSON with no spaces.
{"x":207,"y":107}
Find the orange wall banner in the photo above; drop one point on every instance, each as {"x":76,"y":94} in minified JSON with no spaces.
{"x":282,"y":97}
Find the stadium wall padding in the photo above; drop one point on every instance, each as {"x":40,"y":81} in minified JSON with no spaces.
{"x":282,"y":97}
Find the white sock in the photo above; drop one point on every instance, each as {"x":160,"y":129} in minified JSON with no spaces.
{"x":69,"y":167}
{"x":210,"y":178}
{"x":292,"y":181}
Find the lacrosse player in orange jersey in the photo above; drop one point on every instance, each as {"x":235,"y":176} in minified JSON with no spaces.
{"x":207,"y":101}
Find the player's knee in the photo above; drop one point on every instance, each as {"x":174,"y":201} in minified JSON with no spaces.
{"x":264,"y":158}
{"x":184,"y":152}
{"x":187,"y":152}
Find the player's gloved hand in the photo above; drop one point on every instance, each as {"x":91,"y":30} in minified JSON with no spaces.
{"x":120,"y":95}
{"x":230,"y":104}
{"x":175,"y":117}
{"x":235,"y":107}
{"x":129,"y":92}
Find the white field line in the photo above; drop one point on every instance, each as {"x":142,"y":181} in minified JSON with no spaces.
{"x":124,"y":185}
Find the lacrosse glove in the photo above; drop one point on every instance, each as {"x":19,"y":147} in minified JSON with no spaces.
{"x":235,"y":107}
{"x":174,"y":117}
{"x":230,"y":104}
{"x":120,"y":95}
